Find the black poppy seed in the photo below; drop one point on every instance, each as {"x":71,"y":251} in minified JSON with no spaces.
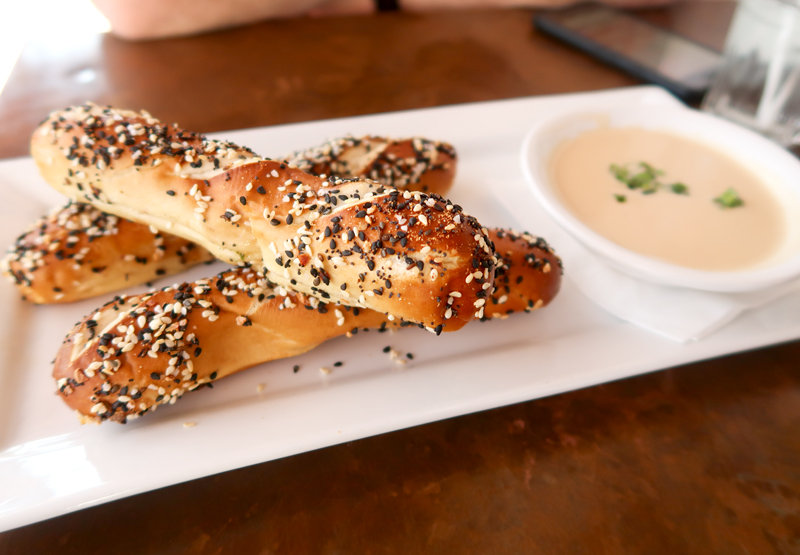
{"x":171,"y":193}
{"x":387,"y":349}
{"x":296,"y":369}
{"x":261,"y":190}
{"x":213,"y":375}
{"x":155,"y":375}
{"x":243,"y":200}
{"x":275,"y":221}
{"x":337,"y":364}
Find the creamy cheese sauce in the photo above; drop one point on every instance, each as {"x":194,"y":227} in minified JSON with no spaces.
{"x":688,"y":230}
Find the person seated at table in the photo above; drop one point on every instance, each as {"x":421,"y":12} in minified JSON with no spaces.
{"x":152,"y":19}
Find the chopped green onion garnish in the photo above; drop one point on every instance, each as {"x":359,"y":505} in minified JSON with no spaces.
{"x":650,"y":169}
{"x":620,"y":198}
{"x":679,"y":189}
{"x":644,"y":177}
{"x":640,"y":180}
{"x":729,"y":199}
{"x":619,"y":173}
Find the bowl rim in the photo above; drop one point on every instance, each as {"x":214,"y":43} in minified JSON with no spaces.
{"x":639,"y":265}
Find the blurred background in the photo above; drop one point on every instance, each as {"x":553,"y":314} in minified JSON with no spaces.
{"x":43,"y":19}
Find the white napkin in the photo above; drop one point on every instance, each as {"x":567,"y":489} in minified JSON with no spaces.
{"x":677,"y":313}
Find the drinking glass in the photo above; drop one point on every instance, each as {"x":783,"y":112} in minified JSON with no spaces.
{"x":758,"y":82}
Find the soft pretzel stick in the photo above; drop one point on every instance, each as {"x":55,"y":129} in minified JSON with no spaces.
{"x":416,"y":164}
{"x":356,"y":243}
{"x":138,"y":352}
{"x":79,"y":252}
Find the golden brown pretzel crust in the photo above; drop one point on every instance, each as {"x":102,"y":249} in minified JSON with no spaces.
{"x":157,"y":347}
{"x":528,"y":275}
{"x":416,"y":164}
{"x":356,"y":242}
{"x":138,"y":352}
{"x":79,"y":252}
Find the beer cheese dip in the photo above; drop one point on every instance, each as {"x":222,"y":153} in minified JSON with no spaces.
{"x":682,"y":225}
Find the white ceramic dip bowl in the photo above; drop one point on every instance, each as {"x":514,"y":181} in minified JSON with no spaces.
{"x":779,"y":169}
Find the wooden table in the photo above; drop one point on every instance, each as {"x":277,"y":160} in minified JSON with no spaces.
{"x":699,"y":459}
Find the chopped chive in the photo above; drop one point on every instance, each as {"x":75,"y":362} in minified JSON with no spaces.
{"x":679,"y":189}
{"x":620,"y":173}
{"x":644,"y":178}
{"x":729,"y":199}
{"x":620,"y":198}
{"x":640,"y":180}
{"x":650,"y":169}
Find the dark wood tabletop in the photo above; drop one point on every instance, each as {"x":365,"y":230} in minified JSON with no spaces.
{"x":703,"y":458}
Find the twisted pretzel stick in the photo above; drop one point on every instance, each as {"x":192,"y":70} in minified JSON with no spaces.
{"x":138,"y":352}
{"x":78,"y":251}
{"x":357,"y":243}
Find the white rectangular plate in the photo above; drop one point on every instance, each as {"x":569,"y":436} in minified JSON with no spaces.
{"x":51,"y":465}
